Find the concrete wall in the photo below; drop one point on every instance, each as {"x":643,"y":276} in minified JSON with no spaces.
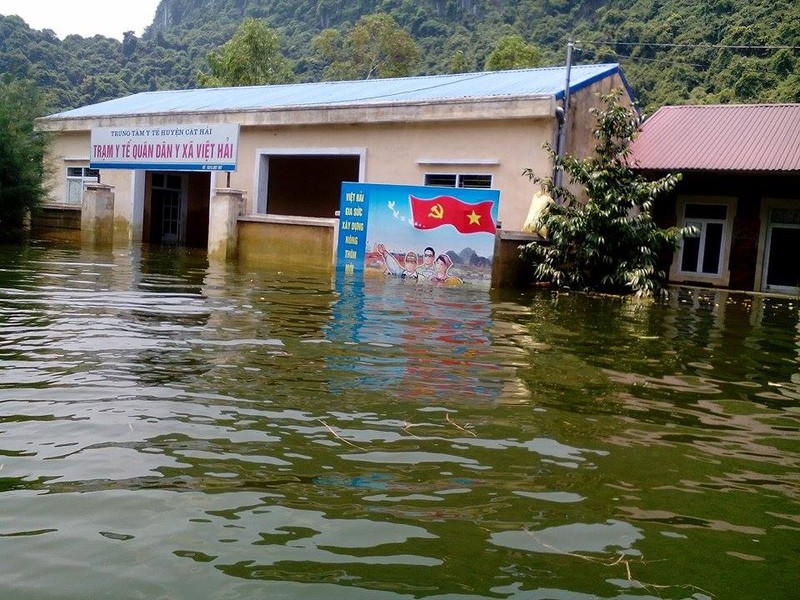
{"x":508,"y":271}
{"x":97,"y":214}
{"x":580,"y":141}
{"x":57,"y":217}
{"x":68,"y":149}
{"x":302,"y":244}
{"x":286,"y":243}
{"x":397,"y":150}
{"x":122,"y":182}
{"x":403,"y":153}
{"x":57,"y":223}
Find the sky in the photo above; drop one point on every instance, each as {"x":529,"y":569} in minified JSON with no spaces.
{"x":86,"y":18}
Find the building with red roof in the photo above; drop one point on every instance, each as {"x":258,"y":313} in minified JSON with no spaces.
{"x":740,"y":190}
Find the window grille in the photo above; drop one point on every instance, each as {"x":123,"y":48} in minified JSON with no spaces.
{"x":460,"y":180}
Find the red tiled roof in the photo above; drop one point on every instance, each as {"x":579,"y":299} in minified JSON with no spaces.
{"x":728,"y":137}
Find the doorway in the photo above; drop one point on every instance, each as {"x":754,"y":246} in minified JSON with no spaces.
{"x":176,"y":208}
{"x":782,"y":271}
{"x":168,"y":208}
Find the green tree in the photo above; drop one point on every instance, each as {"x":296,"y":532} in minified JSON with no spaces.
{"x":375,"y":47}
{"x":672,"y":51}
{"x":512,"y":52}
{"x":458,"y":64}
{"x":21,"y":157}
{"x":610,"y":242}
{"x":251,"y":57}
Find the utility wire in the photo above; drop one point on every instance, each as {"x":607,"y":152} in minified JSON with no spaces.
{"x":719,"y":46}
{"x":660,"y":60}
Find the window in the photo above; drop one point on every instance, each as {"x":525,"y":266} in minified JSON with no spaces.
{"x":461,"y":180}
{"x":702,"y":251}
{"x":167,"y":181}
{"x":76,"y":178}
{"x":703,"y":256}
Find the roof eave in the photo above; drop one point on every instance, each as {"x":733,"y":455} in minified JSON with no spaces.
{"x":715,"y":171}
{"x":614,"y":69}
{"x":501,"y":107}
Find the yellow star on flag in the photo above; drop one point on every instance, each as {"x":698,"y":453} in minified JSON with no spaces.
{"x":474,"y":218}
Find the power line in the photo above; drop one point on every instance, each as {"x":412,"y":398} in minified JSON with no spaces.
{"x":660,"y":60}
{"x":718,"y":46}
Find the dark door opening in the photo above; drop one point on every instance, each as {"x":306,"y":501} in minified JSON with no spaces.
{"x":783,"y":269}
{"x":166,"y":203}
{"x":176,"y":209}
{"x":308,"y":185}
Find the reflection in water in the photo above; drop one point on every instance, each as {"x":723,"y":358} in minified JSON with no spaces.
{"x":428,"y":343}
{"x":178,"y":429}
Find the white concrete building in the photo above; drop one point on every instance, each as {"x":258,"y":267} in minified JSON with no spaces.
{"x":298,"y":142}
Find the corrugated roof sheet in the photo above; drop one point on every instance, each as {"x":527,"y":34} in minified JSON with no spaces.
{"x":523,"y":82}
{"x":730,"y":137}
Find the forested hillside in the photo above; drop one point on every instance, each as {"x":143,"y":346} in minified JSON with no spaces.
{"x":672,"y":51}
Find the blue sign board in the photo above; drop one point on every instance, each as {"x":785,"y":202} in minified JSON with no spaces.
{"x":197,"y":147}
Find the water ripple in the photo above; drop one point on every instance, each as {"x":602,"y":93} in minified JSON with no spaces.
{"x":181,"y":429}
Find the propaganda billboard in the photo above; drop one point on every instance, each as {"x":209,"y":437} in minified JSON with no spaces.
{"x":424,"y":234}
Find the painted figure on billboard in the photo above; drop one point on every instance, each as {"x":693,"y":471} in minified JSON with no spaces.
{"x":410,"y":266}
{"x":426,"y":269}
{"x":442,"y":275}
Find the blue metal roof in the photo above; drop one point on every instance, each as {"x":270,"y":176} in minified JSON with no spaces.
{"x":549,"y":81}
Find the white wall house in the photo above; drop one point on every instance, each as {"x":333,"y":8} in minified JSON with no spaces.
{"x":298,"y":142}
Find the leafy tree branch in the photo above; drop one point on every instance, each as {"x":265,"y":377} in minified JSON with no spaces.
{"x":609,"y":242}
{"x":21,"y":157}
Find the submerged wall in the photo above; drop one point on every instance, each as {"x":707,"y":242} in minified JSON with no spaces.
{"x":287,"y":242}
{"x":55,"y":217}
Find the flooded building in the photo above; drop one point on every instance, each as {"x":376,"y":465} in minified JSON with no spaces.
{"x":740,"y":191}
{"x":297,"y":143}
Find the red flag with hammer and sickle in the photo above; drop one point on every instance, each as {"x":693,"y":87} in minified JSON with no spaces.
{"x":447,"y":210}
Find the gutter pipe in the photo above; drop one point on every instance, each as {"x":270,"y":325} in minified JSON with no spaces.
{"x":561,"y":144}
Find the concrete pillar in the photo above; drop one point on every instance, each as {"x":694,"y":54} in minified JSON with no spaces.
{"x":508,"y":269}
{"x":227,"y":205}
{"x":97,"y":214}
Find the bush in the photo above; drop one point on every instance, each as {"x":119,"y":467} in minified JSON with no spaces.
{"x":609,"y":243}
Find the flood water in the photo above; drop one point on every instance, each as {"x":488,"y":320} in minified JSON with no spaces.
{"x":170,"y":429}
